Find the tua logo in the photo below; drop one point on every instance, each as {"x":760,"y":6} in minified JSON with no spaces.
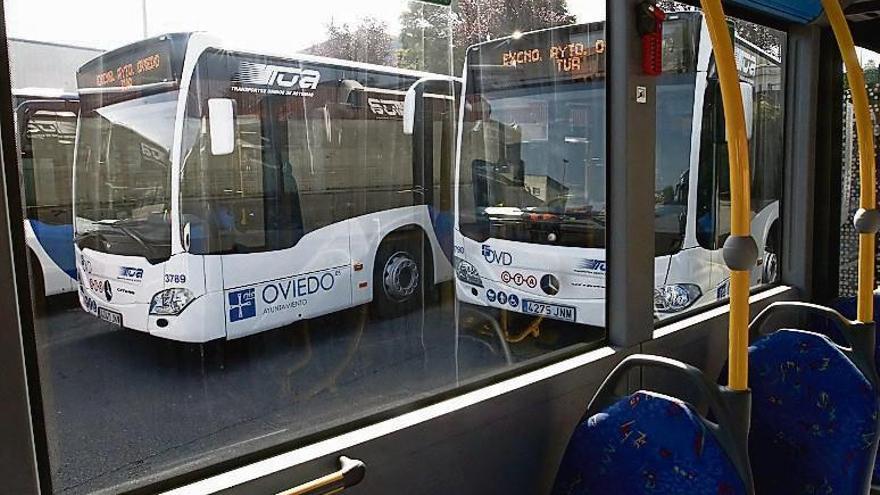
{"x":278,"y":76}
{"x":497,"y":257}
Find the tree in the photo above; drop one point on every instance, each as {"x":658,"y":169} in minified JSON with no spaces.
{"x":763,"y":37}
{"x":425,"y":30}
{"x":481,"y":20}
{"x":872,"y":73}
{"x":368,"y":42}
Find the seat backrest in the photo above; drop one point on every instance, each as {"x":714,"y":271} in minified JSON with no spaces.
{"x":646,"y":443}
{"x":814,"y":416}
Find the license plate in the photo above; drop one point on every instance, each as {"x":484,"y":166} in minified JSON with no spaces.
{"x":111,"y":317}
{"x":555,"y":311}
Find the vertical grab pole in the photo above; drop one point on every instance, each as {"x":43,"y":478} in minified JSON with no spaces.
{"x":740,"y":251}
{"x":866,"y":220}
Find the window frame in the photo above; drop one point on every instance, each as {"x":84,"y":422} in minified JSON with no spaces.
{"x":630,"y":196}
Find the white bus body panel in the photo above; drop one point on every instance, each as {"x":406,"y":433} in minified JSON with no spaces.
{"x":55,"y":280}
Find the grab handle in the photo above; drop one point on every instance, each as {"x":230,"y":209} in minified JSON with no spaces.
{"x":351,"y":472}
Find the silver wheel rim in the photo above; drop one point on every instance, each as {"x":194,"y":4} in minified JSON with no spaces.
{"x":400,"y":276}
{"x":771,"y":268}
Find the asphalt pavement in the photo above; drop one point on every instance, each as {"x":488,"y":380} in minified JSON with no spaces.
{"x":124,"y":408}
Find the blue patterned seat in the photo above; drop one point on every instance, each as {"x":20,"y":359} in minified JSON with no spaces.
{"x":847,"y":307}
{"x":646,"y":443}
{"x":814,"y":417}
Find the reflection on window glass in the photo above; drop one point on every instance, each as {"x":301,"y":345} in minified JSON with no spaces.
{"x":530,"y":233}
{"x":46,"y":121}
{"x":692,"y":191}
{"x":849,"y":238}
{"x":248,"y":237}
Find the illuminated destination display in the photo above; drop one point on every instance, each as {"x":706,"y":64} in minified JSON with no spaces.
{"x":572,"y":53}
{"x":566,"y":58}
{"x":140,"y":64}
{"x":125,"y":75}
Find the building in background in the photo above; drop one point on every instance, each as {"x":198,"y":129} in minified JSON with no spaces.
{"x":40,"y":64}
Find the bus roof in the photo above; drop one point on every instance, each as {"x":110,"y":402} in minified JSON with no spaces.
{"x":45,"y":93}
{"x":181,"y":41}
{"x":220,"y":44}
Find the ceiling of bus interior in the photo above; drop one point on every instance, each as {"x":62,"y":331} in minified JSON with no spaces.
{"x":864,"y":15}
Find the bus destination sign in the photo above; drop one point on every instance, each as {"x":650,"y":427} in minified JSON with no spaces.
{"x":142,"y":64}
{"x":127,"y":73}
{"x":572,"y":53}
{"x":574,"y":58}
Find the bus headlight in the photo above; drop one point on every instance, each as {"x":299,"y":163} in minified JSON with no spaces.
{"x":675,"y":298}
{"x":467,"y":273}
{"x":170,"y":302}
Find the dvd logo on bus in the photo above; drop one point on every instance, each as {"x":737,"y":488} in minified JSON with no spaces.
{"x":497,"y":257}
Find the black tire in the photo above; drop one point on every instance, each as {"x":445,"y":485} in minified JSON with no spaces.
{"x":770,"y":270}
{"x":400,"y":275}
{"x":38,"y":287}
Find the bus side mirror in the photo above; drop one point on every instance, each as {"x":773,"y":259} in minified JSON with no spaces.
{"x":748,"y":92}
{"x":221,"y":120}
{"x":409,"y":111}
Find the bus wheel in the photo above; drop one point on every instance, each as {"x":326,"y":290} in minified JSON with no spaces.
{"x":770,"y":270}
{"x":38,"y":286}
{"x":398,"y":277}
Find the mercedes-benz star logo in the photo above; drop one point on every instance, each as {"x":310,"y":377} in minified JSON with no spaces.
{"x":108,"y":291}
{"x":550,"y":285}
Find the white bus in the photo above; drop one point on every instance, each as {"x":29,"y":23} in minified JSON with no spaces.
{"x":530,"y":223}
{"x":46,"y":125}
{"x":220,"y":193}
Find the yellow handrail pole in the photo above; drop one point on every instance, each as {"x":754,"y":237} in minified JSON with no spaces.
{"x":867,"y":165}
{"x":740,"y":221}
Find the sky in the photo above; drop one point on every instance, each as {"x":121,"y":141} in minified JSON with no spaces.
{"x":275,"y":26}
{"x":290,"y":24}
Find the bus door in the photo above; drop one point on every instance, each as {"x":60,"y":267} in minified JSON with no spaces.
{"x":289,"y":258}
{"x":433,"y":133}
{"x":713,"y":203}
{"x":47,"y":131}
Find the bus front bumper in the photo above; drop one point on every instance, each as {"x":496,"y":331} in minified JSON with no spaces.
{"x":501,"y":296}
{"x":193,"y":325}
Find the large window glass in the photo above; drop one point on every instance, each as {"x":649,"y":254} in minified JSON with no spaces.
{"x":123,"y":175}
{"x":48,"y":132}
{"x":850,"y":184}
{"x":253,"y":230}
{"x":692,"y":182}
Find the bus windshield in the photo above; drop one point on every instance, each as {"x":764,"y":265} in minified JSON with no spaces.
{"x":536,"y":160}
{"x":123,"y":175}
{"x":532,"y":157}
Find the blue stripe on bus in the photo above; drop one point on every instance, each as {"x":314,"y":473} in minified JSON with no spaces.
{"x":57,"y":241}
{"x":442,"y":223}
